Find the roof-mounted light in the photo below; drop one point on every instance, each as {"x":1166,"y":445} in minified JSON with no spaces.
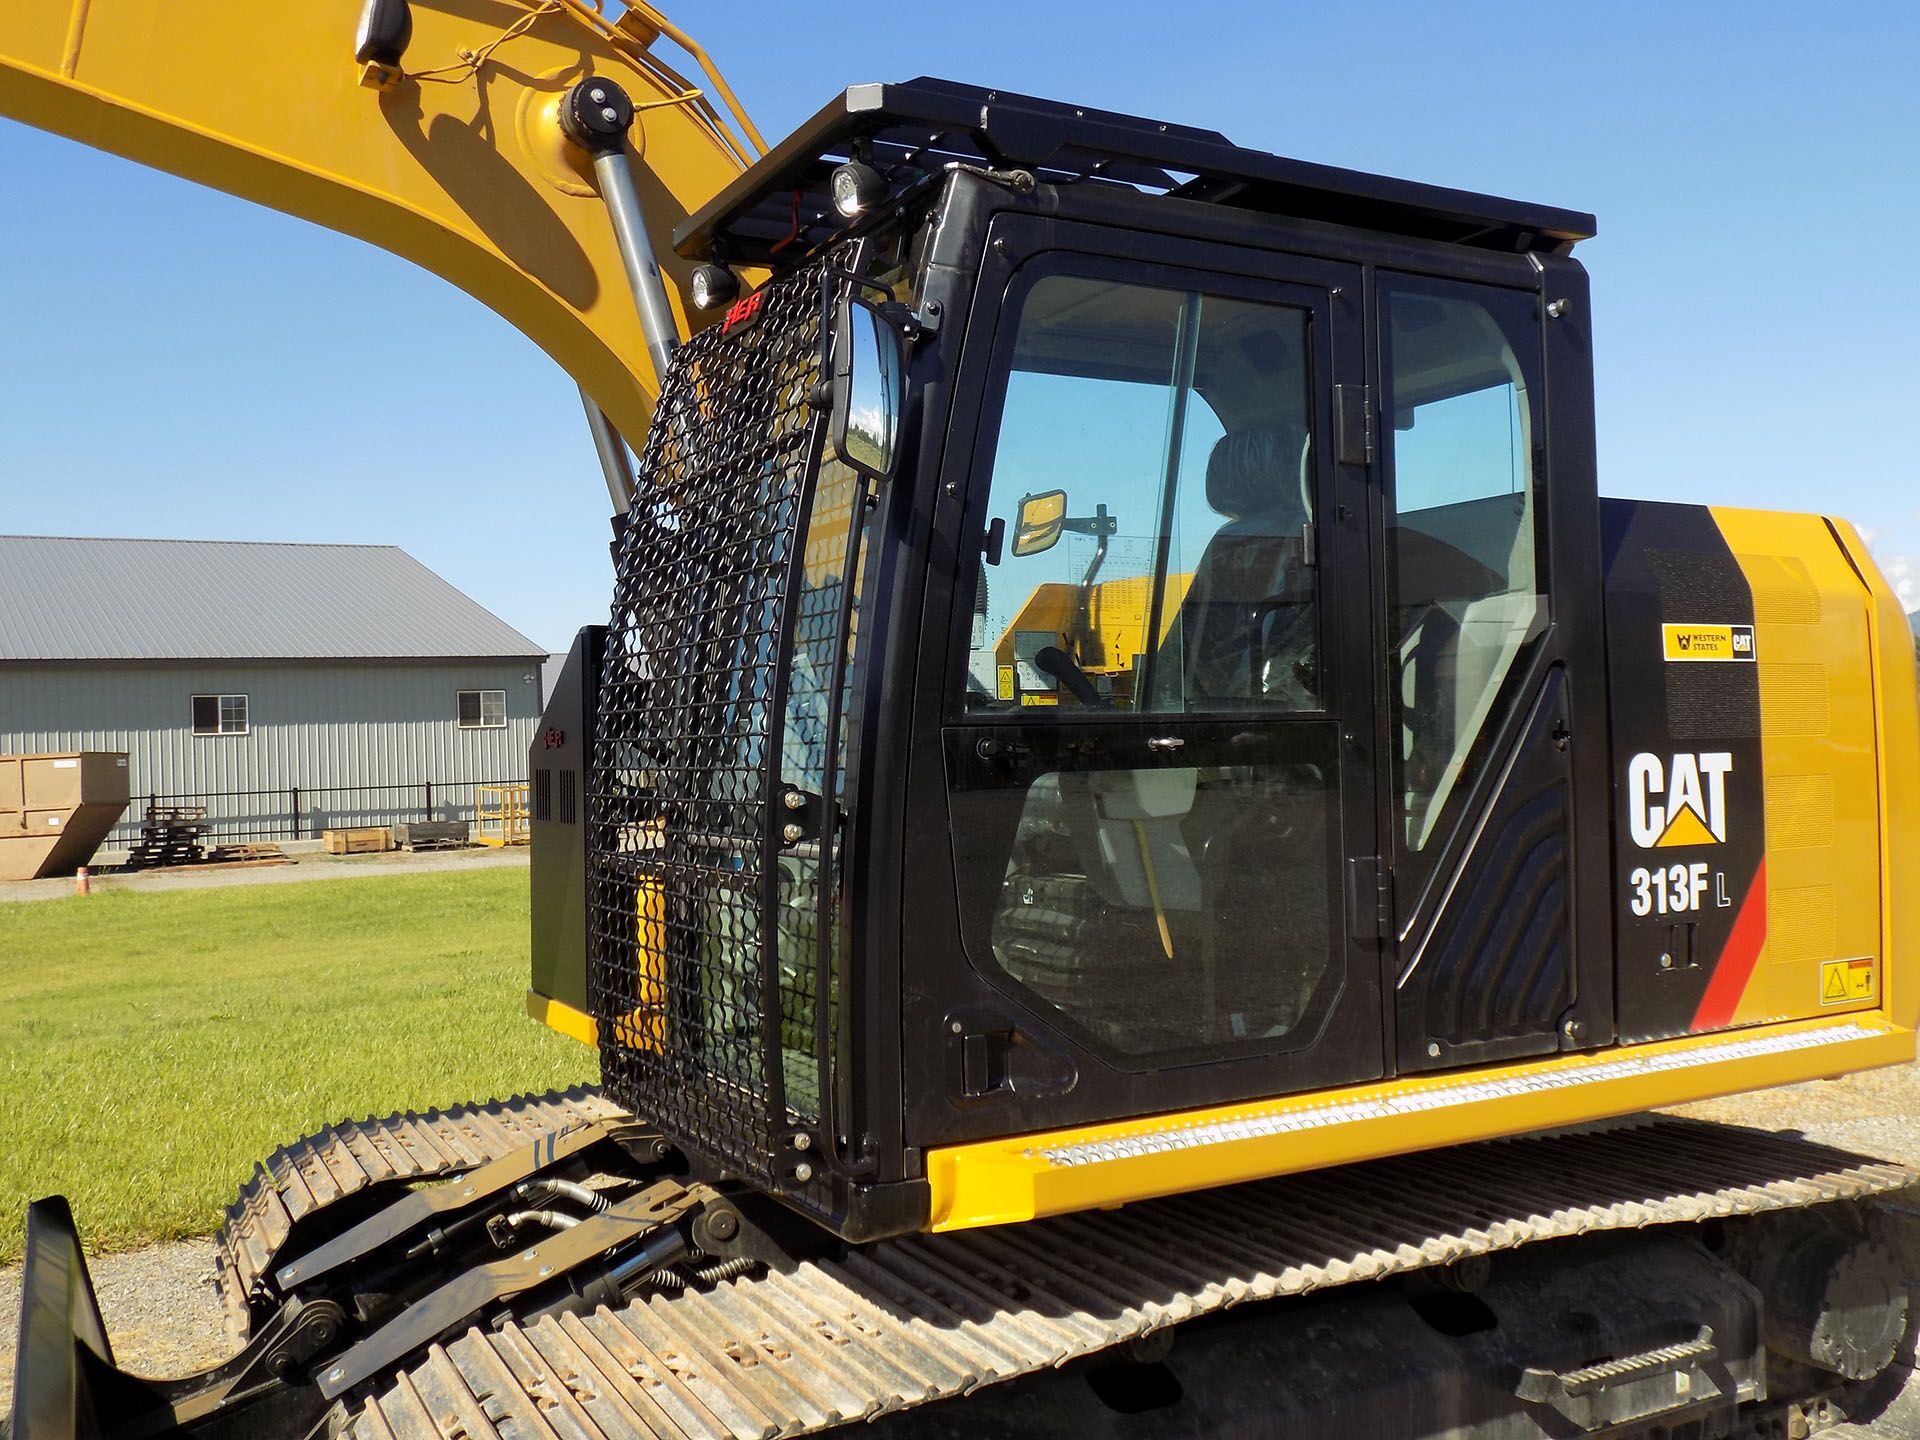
{"x":856,"y":187}
{"x":713,"y":286}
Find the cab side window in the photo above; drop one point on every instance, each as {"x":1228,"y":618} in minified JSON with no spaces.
{"x":1148,"y":539}
{"x":1466,"y":591}
{"x":1147,"y":547}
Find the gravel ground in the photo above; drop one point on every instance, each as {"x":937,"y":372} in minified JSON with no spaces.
{"x":308,"y":864}
{"x":163,"y":1315}
{"x":1876,"y":1112}
{"x":162,"y":1312}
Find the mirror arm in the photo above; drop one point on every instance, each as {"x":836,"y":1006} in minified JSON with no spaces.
{"x":834,"y":272}
{"x":911,"y":324}
{"x":1102,"y":524}
{"x":1102,"y":527}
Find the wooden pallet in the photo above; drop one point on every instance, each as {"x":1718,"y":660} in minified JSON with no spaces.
{"x":234,"y":856}
{"x":170,"y":835}
{"x":431,"y":835}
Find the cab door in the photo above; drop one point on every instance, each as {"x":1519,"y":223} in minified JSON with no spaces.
{"x":1494,"y":733}
{"x":1156,"y":703}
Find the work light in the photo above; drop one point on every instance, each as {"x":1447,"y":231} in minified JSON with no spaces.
{"x":856,"y":187}
{"x":713,"y":286}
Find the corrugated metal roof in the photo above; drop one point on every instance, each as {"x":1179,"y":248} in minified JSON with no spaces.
{"x":64,"y":598}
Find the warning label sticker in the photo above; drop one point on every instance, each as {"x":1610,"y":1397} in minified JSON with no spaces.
{"x":1842,"y":981}
{"x":1708,"y":642}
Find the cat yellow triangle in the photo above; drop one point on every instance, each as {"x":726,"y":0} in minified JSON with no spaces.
{"x":1686,"y":828}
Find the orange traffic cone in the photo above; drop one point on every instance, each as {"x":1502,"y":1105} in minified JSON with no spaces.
{"x":82,"y":882}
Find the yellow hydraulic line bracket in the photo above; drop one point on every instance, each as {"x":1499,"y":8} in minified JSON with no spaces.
{"x":458,"y":165}
{"x":642,"y":22}
{"x":645,"y":1026}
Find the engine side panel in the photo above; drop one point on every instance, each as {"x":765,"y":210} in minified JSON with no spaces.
{"x":1823,"y":951}
{"x":1896,"y":681}
{"x":1746,"y":812}
{"x":1689,"y":819}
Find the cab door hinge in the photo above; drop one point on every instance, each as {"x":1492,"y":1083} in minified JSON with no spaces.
{"x":1353,"y":424}
{"x":1369,"y":898}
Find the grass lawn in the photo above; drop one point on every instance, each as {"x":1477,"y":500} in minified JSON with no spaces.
{"x":154,"y":1046}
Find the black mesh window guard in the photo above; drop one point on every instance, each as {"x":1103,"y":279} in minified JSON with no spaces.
{"x":713,"y":792}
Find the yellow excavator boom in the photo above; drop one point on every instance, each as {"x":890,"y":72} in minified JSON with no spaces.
{"x":454,"y":159}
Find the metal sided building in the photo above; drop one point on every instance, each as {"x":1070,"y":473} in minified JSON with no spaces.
{"x":287,"y":688}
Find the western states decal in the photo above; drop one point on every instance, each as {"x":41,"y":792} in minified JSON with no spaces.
{"x":1708,"y":642}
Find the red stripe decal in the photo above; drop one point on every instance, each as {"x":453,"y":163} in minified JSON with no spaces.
{"x":1737,"y":959}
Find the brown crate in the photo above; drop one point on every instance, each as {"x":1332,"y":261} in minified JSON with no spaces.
{"x":362,"y":840}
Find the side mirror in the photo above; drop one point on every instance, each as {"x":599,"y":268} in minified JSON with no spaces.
{"x":1037,"y":527}
{"x":869,"y":388}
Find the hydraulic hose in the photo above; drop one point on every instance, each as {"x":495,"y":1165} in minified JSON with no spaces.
{"x":542,"y":1187}
{"x":552,"y":1219}
{"x":706,"y":1275}
{"x":724,"y":1270}
{"x":579,"y":1194}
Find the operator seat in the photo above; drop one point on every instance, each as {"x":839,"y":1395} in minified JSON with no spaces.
{"x":1249,"y":607}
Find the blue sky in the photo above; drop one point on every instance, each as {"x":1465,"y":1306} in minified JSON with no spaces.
{"x":181,"y":363}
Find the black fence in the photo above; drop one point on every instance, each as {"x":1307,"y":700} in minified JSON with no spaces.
{"x":244,"y":817}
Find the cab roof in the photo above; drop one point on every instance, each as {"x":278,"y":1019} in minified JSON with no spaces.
{"x":779,"y":210}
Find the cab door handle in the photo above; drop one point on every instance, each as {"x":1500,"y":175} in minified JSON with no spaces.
{"x":1165,"y":742}
{"x":992,"y":748}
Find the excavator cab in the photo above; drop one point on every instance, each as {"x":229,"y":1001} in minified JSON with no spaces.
{"x":1120,"y":628}
{"x":1104,"y":621}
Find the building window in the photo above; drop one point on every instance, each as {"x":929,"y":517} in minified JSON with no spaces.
{"x":219,"y":714}
{"x":483,"y":709}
